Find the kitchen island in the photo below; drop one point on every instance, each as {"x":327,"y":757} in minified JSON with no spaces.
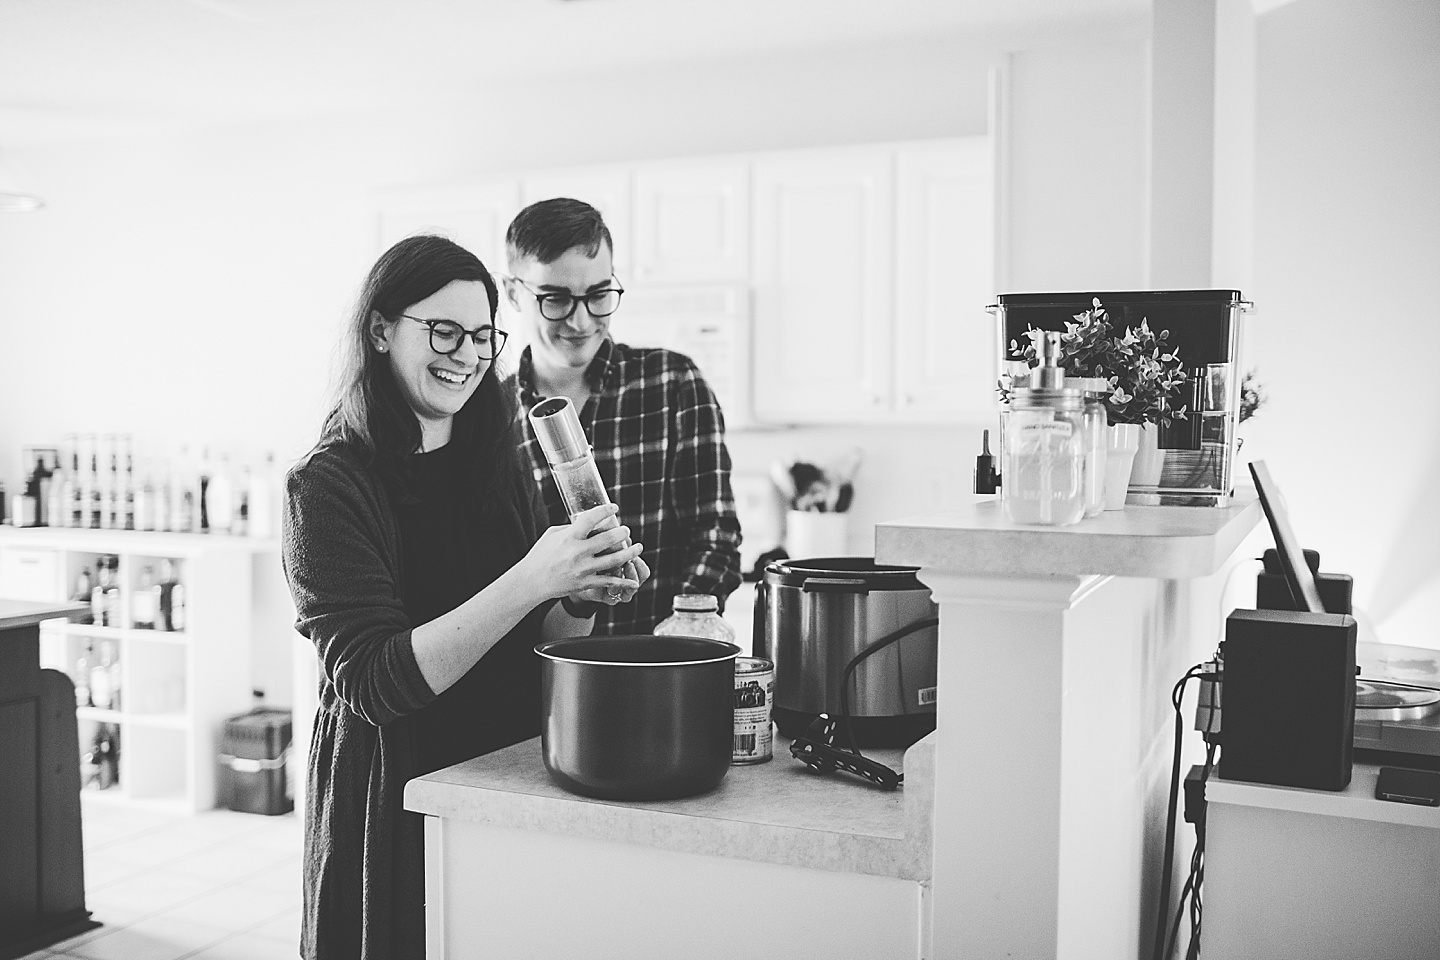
{"x":1030,"y":824}
{"x":1059,"y":647}
{"x":776,"y":861}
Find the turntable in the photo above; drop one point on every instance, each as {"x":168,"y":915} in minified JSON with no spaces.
{"x":1397,"y":705}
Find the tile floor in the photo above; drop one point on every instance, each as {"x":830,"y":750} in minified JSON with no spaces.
{"x":214,"y":886}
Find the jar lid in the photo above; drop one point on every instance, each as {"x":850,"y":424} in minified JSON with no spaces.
{"x":1032,"y":397}
{"x":696,"y":603}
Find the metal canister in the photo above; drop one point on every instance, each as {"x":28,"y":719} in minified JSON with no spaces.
{"x":754,"y":690}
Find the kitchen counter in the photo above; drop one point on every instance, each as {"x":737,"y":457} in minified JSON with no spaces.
{"x":1059,"y":647}
{"x":808,"y":865}
{"x":775,"y":812}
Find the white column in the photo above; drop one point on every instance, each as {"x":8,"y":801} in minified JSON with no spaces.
{"x":1050,"y":779}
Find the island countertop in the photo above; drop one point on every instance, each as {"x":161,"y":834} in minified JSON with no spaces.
{"x":775,"y":812}
{"x":1139,"y":541}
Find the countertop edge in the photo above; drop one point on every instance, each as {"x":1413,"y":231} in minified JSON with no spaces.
{"x":971,"y":541}
{"x":908,"y":856}
{"x":1357,"y":801}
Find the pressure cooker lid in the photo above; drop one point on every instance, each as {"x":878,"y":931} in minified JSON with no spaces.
{"x":868,"y":574}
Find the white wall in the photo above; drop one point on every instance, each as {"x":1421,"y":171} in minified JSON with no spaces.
{"x":190,"y":287}
{"x":1347,"y":242}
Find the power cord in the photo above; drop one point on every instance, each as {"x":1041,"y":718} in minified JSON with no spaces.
{"x":869,"y":650}
{"x":1161,"y":947}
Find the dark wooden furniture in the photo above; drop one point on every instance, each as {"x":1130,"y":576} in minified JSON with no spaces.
{"x":42,"y":872}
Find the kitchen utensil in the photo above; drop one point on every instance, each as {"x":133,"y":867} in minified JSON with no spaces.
{"x":817,"y":615}
{"x":637,"y":717}
{"x":817,"y":750}
{"x":567,"y":451}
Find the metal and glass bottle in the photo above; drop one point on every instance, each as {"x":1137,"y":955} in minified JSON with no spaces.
{"x":1044,"y":448}
{"x":1097,"y":425}
{"x":567,"y":451}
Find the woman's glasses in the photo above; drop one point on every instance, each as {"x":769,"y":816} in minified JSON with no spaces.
{"x":447,"y":336}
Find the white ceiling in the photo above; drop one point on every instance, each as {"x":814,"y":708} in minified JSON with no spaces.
{"x":84,"y":68}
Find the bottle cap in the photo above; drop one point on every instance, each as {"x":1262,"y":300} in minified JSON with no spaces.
{"x":558,"y":429}
{"x":696,"y":603}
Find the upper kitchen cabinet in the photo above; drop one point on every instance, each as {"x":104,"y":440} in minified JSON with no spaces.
{"x":872,"y":268}
{"x":823,"y":272}
{"x":692,"y":222}
{"x":604,"y":188}
{"x":473,"y":215}
{"x":945,"y":351}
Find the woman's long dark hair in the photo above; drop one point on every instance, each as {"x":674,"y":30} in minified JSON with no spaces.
{"x":370,"y":412}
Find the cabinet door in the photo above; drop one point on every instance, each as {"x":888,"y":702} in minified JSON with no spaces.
{"x":606,"y":189}
{"x":945,"y":361}
{"x":474,"y":216}
{"x":692,"y":222}
{"x":822,"y":273}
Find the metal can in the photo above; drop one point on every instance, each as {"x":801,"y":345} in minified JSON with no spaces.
{"x":754,"y":689}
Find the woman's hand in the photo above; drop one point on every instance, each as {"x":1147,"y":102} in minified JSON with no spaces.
{"x":577,"y":561}
{"x":635,"y":572}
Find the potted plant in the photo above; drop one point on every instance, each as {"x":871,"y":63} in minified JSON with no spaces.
{"x":1146,"y":384}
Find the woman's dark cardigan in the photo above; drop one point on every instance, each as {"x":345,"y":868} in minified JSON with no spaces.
{"x":342,"y":556}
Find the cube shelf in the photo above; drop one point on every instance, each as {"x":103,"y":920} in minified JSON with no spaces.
{"x":175,"y":687}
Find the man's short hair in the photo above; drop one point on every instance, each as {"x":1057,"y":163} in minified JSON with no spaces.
{"x":546,"y":230}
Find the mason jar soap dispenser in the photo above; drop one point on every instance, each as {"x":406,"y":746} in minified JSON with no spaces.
{"x":1044,"y":445}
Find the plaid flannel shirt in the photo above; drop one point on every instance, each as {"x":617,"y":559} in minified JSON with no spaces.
{"x":659,"y":441}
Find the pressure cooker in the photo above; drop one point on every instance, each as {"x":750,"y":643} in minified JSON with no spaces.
{"x":849,"y":636}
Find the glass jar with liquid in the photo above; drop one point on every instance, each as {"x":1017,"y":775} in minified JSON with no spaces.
{"x":1044,"y":447}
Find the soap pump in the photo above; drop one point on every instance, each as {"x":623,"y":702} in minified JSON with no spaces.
{"x":1043,"y":444}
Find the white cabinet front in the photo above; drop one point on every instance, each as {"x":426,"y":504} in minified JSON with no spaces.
{"x":692,"y":222}
{"x":822,"y":276}
{"x":945,"y":355}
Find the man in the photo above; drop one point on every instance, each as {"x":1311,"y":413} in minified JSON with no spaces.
{"x":655,"y":427}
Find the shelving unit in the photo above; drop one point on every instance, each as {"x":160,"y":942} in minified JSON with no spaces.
{"x":176,"y":688}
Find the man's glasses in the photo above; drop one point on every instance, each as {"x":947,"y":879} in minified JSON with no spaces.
{"x":447,"y":336}
{"x":561,"y":306}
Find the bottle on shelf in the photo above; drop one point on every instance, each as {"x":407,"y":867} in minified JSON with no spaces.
{"x":84,"y":583}
{"x":107,"y":756}
{"x":146,"y":502}
{"x":57,"y":502}
{"x":97,"y":592}
{"x":127,"y":502}
{"x":182,"y":494}
{"x":262,"y":499}
{"x":82,"y":677}
{"x":94,"y":492}
{"x":202,"y":502}
{"x":41,"y":478}
{"x":172,"y":598}
{"x":76,"y":492}
{"x":3,"y":502}
{"x":219,"y":509}
{"x":112,"y":593}
{"x":90,"y":764}
{"x":102,"y":678}
{"x":113,"y":506}
{"x":145,"y":601}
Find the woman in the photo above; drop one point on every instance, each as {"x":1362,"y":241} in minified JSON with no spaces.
{"x":421,"y":574}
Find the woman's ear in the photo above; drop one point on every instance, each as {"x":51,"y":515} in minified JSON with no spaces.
{"x":379,"y":332}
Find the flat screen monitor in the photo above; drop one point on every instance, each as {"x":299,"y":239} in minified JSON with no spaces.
{"x":1292,"y":558}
